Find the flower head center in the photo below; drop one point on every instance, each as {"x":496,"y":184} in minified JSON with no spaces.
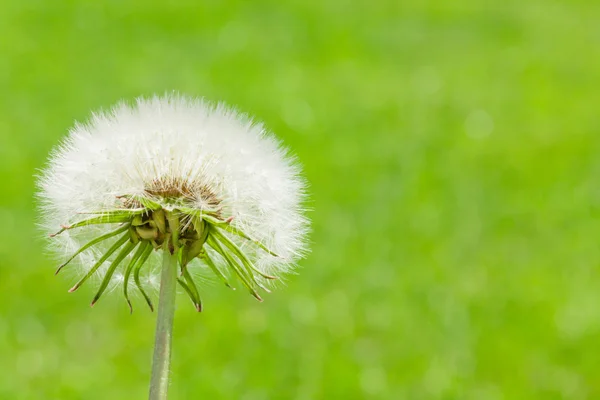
{"x":179,"y":188}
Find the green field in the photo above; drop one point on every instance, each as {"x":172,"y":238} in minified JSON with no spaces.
{"x":453,"y":155}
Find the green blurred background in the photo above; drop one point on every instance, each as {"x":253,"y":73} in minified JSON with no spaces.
{"x":452,"y":150}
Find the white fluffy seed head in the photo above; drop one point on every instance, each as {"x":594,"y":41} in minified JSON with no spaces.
{"x":200,"y":147}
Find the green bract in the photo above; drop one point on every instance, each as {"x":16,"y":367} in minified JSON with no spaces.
{"x":145,"y":224}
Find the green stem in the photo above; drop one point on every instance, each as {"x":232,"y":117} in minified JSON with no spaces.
{"x":161,"y":361}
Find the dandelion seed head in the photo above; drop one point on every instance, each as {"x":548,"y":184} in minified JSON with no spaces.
{"x":176,"y":150}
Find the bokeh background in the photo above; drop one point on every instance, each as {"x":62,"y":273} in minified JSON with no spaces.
{"x":453,"y":153}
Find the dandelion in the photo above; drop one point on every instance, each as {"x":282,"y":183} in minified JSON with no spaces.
{"x":196,"y":185}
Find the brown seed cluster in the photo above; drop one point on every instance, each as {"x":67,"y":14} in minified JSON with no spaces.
{"x":179,"y":188}
{"x":170,"y":188}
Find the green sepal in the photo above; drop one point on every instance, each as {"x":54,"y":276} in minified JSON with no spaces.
{"x":247,"y":281}
{"x":133,"y":235}
{"x":137,"y":220}
{"x":201,"y":228}
{"x":210,"y":218}
{"x":136,"y":276}
{"x":193,"y":290}
{"x":111,"y":270}
{"x":191,"y":250}
{"x":195,"y":212}
{"x":103,"y":219}
{"x":189,"y":293}
{"x":158,"y":216}
{"x":208,"y":261}
{"x":93,"y":242}
{"x":238,"y":252}
{"x":226,"y":225}
{"x":129,"y":211}
{"x":108,"y":253}
{"x":146,"y":202}
{"x":146,"y":232}
{"x":144,"y":245}
{"x":173,"y":219}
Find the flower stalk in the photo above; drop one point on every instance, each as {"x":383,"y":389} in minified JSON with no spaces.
{"x":161,"y":361}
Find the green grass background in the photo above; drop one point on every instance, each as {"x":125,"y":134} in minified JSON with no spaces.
{"x":453,"y":153}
